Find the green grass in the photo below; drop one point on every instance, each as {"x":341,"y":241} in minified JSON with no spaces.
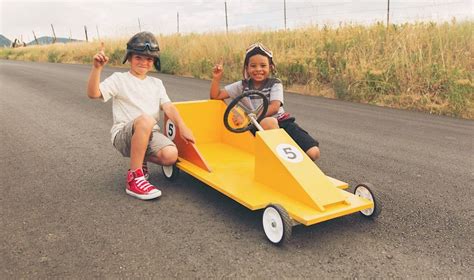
{"x":420,"y":66}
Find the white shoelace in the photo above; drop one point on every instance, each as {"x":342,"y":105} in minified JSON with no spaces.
{"x":143,"y":184}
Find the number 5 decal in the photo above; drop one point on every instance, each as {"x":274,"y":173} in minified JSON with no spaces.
{"x":289,"y":153}
{"x":170,"y":129}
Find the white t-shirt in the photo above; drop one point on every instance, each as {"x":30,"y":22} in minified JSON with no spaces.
{"x":132,"y":97}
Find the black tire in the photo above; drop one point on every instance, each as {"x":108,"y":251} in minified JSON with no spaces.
{"x":171,"y":172}
{"x":271,"y":226}
{"x":377,"y":202}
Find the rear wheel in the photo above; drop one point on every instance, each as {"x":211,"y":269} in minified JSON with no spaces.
{"x":366,"y":190}
{"x":171,"y":172}
{"x":276,"y":224}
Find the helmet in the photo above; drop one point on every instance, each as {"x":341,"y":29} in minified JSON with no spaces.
{"x":144,"y":43}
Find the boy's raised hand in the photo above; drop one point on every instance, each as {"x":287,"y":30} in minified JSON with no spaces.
{"x":218,"y":70}
{"x":100,"y":59}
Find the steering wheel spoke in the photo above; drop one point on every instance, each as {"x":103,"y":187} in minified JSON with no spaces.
{"x":256,"y":114}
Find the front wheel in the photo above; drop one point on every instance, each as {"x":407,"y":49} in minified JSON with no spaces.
{"x":171,"y":172}
{"x":366,"y":190}
{"x":276,"y":224}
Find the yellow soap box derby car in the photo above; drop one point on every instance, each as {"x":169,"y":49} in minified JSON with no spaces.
{"x":266,"y":171}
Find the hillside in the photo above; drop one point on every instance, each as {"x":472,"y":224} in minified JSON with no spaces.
{"x":4,"y":41}
{"x":49,"y":40}
{"x":45,"y":40}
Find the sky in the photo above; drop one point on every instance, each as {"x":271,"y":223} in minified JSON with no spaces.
{"x":123,"y":18}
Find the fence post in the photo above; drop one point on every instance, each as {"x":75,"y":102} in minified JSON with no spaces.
{"x":388,"y":13}
{"x":85,"y":30}
{"x":54,"y":34}
{"x":177,"y":21}
{"x":226,"y":22}
{"x":36,"y":40}
{"x":98,"y":35}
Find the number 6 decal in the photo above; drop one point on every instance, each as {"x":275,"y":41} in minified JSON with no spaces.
{"x":170,"y":129}
{"x":289,"y":153}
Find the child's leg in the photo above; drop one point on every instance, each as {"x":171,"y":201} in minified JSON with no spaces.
{"x":269,"y":123}
{"x":142,"y":128}
{"x":313,"y":153}
{"x":132,"y":140}
{"x":166,"y":156}
{"x":303,"y":139}
{"x":161,"y":150}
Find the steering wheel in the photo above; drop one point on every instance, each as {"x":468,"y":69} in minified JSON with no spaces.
{"x":253,"y":115}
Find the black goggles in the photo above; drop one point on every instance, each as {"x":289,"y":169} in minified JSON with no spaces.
{"x":142,"y":47}
{"x":261,"y":47}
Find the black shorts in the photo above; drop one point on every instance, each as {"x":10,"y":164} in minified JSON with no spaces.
{"x":299,"y":135}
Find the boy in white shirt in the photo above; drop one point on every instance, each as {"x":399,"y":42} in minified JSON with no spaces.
{"x":137,"y":99}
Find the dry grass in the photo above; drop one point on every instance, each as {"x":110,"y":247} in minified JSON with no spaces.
{"x":422,"y":66}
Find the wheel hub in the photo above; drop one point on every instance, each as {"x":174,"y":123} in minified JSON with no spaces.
{"x":365,"y":193}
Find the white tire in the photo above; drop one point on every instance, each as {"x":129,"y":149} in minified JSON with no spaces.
{"x":365,"y":190}
{"x":276,"y":224}
{"x":170,"y":172}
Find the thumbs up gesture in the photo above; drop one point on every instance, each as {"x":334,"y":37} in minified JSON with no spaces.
{"x":100,"y":59}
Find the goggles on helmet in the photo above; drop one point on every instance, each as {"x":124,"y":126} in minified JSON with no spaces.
{"x":143,"y":46}
{"x":261,"y":47}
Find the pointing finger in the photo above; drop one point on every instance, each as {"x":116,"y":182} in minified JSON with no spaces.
{"x":219,"y":65}
{"x":102,"y":47}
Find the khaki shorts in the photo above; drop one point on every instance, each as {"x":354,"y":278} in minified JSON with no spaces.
{"x":123,"y":141}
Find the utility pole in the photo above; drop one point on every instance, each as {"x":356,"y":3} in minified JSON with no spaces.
{"x":177,"y":21}
{"x":85,"y":30}
{"x":97,"y":28}
{"x":388,"y":13}
{"x":226,"y":22}
{"x":36,"y":40}
{"x":70,"y":35}
{"x":284,"y":11}
{"x":139,"y":25}
{"x":54,"y":34}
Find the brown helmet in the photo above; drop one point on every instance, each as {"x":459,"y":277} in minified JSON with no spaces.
{"x":144,"y":43}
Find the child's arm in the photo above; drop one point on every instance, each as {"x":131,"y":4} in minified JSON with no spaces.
{"x":276,"y":99}
{"x":100,"y":59}
{"x":216,"y":92}
{"x":273,"y":108}
{"x":171,"y":111}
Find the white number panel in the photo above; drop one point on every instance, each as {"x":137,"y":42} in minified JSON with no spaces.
{"x":170,"y":129}
{"x":289,"y":153}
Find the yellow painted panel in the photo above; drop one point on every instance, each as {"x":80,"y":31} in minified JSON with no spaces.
{"x":234,"y":177}
{"x":205,"y":119}
{"x":250,"y":171}
{"x":301,"y":180}
{"x":243,"y":141}
{"x":202,"y":117}
{"x":338,"y":184}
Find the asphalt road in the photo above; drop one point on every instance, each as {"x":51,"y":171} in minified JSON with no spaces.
{"x":65,"y":214}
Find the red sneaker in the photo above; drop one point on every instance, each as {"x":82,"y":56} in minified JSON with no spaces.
{"x":139,"y":187}
{"x":146,"y":174}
